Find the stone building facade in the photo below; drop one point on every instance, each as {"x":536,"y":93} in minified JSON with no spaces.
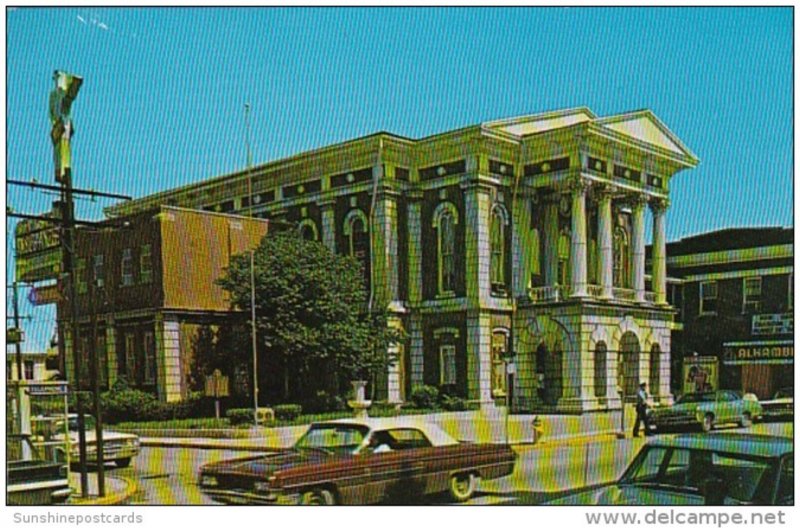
{"x":522,"y":238}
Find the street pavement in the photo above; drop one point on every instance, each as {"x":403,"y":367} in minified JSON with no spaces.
{"x":168,"y":475}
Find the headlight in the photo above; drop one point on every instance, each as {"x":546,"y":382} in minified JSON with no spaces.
{"x":208,"y":480}
{"x":261,"y":486}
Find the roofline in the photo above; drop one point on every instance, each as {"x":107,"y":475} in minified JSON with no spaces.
{"x":721,"y":229}
{"x":659,"y":124}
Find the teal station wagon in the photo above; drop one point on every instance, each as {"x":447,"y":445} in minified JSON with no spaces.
{"x":707,"y":410}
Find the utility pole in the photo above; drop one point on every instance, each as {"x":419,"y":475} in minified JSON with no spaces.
{"x":61,"y":98}
{"x":252,"y":264}
{"x":94,"y":375}
{"x":17,"y":344}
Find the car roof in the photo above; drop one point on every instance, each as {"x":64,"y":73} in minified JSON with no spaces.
{"x":434,"y":433}
{"x":735,"y":443}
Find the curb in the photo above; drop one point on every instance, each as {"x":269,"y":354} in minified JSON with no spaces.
{"x":109,"y":499}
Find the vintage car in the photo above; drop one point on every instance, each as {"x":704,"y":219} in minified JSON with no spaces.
{"x":31,"y":479}
{"x":706,"y":410}
{"x":781,"y":407}
{"x":118,"y":447}
{"x":695,"y":469}
{"x":359,"y":461}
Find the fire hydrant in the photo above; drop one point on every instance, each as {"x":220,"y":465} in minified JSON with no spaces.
{"x":538,"y":429}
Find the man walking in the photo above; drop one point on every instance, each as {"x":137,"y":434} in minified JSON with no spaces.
{"x":641,"y":410}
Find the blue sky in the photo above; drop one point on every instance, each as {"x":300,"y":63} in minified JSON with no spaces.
{"x":164,"y":89}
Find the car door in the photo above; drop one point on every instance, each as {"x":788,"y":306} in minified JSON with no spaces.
{"x":728,"y":407}
{"x":394,"y":466}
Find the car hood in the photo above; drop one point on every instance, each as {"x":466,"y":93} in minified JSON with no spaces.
{"x":688,"y":408}
{"x":777,"y":401}
{"x":264,"y":465}
{"x":629,"y":495}
{"x":90,"y":436}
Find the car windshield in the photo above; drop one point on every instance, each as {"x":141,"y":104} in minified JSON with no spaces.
{"x":737,"y":477}
{"x":697,"y":397}
{"x":785,"y":393}
{"x":73,"y":423}
{"x":335,"y":438}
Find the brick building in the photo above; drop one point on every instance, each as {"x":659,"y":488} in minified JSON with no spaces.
{"x":153,"y":291}
{"x":523,"y":236}
{"x":735,"y":302}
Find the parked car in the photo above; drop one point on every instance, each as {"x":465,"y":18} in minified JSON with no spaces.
{"x":118,"y":447}
{"x":781,"y":406}
{"x":359,"y":461}
{"x":707,"y":410}
{"x":32,"y":479}
{"x":695,"y":469}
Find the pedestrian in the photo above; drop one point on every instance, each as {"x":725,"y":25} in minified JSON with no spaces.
{"x":641,"y":411}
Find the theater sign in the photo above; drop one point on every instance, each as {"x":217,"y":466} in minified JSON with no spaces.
{"x":778,"y":352}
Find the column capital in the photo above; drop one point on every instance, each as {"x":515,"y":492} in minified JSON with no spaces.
{"x":659,"y":206}
{"x":414,"y":195}
{"x":579,"y":185}
{"x":638,"y":201}
{"x":602,"y":191}
{"x":476,"y":185}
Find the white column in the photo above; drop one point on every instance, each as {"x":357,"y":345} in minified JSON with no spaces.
{"x":659,"y":209}
{"x":479,"y":364}
{"x":168,"y":360}
{"x":476,"y":237}
{"x":384,"y":236}
{"x":550,"y":247}
{"x":605,"y":264}
{"x":638,"y":246}
{"x":578,"y":238}
{"x":520,"y":244}
{"x":414,"y":256}
{"x":328,"y":224}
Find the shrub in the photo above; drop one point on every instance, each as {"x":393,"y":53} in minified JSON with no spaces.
{"x":453,"y":403}
{"x":289,"y":411}
{"x":124,"y":404}
{"x":239,"y":416}
{"x":323,"y":402}
{"x":425,"y":397}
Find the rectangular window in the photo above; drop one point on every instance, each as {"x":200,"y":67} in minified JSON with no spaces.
{"x":99,"y":272}
{"x":149,"y":358}
{"x":751,"y":299}
{"x":80,"y":276}
{"x":447,"y":365}
{"x":708,"y":297}
{"x":127,"y":267}
{"x":145,"y":265}
{"x":28,"y":370}
{"x":130,"y":359}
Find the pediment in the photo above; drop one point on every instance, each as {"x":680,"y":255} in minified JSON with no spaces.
{"x":644,"y":126}
{"x":537,"y":123}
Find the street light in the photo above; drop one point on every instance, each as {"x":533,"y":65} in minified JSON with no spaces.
{"x":252,"y":264}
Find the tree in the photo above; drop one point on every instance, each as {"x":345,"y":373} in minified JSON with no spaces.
{"x":311,"y":312}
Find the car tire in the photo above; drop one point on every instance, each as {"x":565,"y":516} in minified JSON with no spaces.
{"x":747,"y":420}
{"x":318,"y":497}
{"x":462,"y":486}
{"x":123,"y":462}
{"x":708,"y":422}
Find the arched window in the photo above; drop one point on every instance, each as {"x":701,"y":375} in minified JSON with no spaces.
{"x":600,"y":369}
{"x":655,"y":369}
{"x":445,"y":219}
{"x":356,"y":230}
{"x":497,"y":246}
{"x":621,"y":258}
{"x":308,"y":229}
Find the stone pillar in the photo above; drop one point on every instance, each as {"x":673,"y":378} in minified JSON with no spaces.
{"x":479,"y":363}
{"x":659,"y":209}
{"x":578,"y":238}
{"x":477,"y":200}
{"x":520,"y":244}
{"x":637,"y":244}
{"x":605,"y":261}
{"x":384,"y":245}
{"x":328,"y":224}
{"x":550,"y":247}
{"x":168,"y":359}
{"x":414,"y":256}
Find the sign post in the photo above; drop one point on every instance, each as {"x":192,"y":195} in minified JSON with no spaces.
{"x":217,"y":386}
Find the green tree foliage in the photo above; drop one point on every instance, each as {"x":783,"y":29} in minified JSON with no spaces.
{"x":311,"y":310}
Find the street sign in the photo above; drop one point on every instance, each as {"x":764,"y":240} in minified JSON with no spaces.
{"x":41,"y":295}
{"x":38,"y":249}
{"x":14,"y":335}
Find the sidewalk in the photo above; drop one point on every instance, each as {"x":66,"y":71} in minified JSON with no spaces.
{"x":485,"y":426}
{"x":118,"y":490}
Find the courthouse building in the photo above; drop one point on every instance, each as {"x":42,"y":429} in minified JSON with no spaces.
{"x":523,"y":237}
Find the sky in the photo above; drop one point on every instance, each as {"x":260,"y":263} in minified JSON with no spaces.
{"x":162,"y":103}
